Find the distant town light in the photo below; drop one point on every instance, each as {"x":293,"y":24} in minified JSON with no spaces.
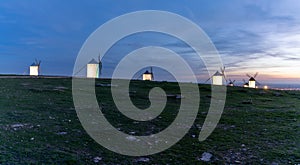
{"x":266,"y":87}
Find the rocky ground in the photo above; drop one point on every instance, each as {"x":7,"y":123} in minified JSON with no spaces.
{"x":38,"y":124}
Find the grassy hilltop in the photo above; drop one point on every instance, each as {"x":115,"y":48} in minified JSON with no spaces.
{"x":38,"y":124}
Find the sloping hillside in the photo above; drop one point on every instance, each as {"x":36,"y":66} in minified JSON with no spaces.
{"x":38,"y":124}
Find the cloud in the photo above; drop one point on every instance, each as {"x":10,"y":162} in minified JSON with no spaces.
{"x":264,"y":40}
{"x":251,"y":35}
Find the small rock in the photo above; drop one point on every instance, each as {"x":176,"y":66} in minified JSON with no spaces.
{"x":131,"y":138}
{"x":17,"y":125}
{"x":243,"y":145}
{"x":247,"y":102}
{"x":143,"y":160}
{"x":206,"y":156}
{"x":199,"y":126}
{"x":97,"y":159}
{"x":179,"y":96}
{"x":193,"y":136}
{"x":32,"y":138}
{"x":62,"y":133}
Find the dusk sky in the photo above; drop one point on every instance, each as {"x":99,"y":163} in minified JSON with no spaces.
{"x":251,"y":35}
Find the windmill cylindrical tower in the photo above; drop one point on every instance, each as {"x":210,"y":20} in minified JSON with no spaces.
{"x":147,"y":76}
{"x":34,"y":70}
{"x":217,"y":78}
{"x":252,"y":83}
{"x":92,"y":69}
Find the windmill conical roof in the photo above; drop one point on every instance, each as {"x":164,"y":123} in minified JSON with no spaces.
{"x":93,"y":61}
{"x":34,"y":64}
{"x":251,"y":79}
{"x":147,"y":72}
{"x":218,"y":74}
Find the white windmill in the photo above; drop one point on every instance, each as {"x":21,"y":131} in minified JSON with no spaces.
{"x":148,"y":75}
{"x":35,"y":68}
{"x":246,"y":85}
{"x":252,"y":81}
{"x":231,"y":83}
{"x":94,"y":68}
{"x":218,"y":78}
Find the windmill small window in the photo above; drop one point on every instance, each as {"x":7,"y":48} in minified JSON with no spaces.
{"x":34,"y":69}
{"x":94,"y":68}
{"x":218,"y":78}
{"x":148,"y":75}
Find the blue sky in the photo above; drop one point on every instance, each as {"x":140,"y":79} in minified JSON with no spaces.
{"x":251,"y":35}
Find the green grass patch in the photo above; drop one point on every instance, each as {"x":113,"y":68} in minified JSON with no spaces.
{"x":39,"y":125}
